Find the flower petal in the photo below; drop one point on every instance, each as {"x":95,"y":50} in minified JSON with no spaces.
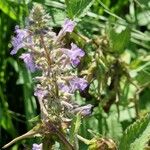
{"x":68,"y":25}
{"x":37,"y":146}
{"x":18,"y":41}
{"x":28,"y":59}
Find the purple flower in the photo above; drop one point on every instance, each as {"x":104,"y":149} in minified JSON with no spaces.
{"x":68,"y":25}
{"x":40,"y":93}
{"x":64,"y":88}
{"x":74,"y":84}
{"x":74,"y":54}
{"x":18,"y":41}
{"x":37,"y":146}
{"x":28,"y":59}
{"x":78,"y":83}
{"x":83,"y":110}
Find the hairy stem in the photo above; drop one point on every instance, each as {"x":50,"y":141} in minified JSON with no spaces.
{"x":61,"y":137}
{"x":29,"y":134}
{"x":52,"y":128}
{"x":46,"y":50}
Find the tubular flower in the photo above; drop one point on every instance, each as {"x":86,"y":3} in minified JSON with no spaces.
{"x":78,"y":83}
{"x":74,"y":84}
{"x":74,"y":54}
{"x":28,"y":60}
{"x":18,"y":41}
{"x":68,"y":26}
{"x":84,"y":110}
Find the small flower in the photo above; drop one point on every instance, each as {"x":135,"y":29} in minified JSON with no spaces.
{"x":64,"y":88}
{"x":37,"y":146}
{"x":74,"y":84}
{"x":18,"y":41}
{"x":84,"y":110}
{"x":78,"y":83}
{"x":74,"y":54}
{"x":40,"y":93}
{"x":28,"y":60}
{"x":68,"y":25}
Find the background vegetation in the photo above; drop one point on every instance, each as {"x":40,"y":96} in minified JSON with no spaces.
{"x":115,"y":35}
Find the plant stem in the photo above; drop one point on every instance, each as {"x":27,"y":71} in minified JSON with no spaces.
{"x":29,"y":134}
{"x":46,"y":50}
{"x":53,"y":128}
{"x":48,"y":142}
{"x":49,"y":61}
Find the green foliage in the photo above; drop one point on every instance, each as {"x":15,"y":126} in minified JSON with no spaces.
{"x":8,"y":9}
{"x":119,"y":41}
{"x":114,"y":127}
{"x":29,"y":99}
{"x":6,"y":122}
{"x":137,"y":135}
{"x":119,"y":86}
{"x":76,"y":122}
{"x":78,"y":8}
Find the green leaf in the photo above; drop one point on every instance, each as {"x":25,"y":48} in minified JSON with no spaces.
{"x":78,"y":8}
{"x":5,"y":118}
{"x":75,"y":129}
{"x":142,"y":72}
{"x":58,"y":17}
{"x":119,"y":41}
{"x":53,"y":3}
{"x":114,"y":127}
{"x":14,"y":63}
{"x":144,"y":102}
{"x":137,"y":135}
{"x":7,"y":9}
{"x":30,"y":106}
{"x":143,"y":18}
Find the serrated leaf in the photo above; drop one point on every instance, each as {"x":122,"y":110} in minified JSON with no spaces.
{"x":114,"y":127}
{"x":118,"y":41}
{"x":136,"y":135}
{"x":78,"y":8}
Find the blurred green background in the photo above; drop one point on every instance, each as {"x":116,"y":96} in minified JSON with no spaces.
{"x":119,"y":80}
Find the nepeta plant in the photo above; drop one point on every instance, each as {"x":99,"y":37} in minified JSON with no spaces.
{"x":47,"y":53}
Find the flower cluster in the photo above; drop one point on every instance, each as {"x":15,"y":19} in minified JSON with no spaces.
{"x":46,"y":52}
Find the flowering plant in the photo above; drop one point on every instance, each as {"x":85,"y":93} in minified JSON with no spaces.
{"x":85,"y":71}
{"x":47,"y":53}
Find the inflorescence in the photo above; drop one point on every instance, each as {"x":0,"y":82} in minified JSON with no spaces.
{"x":46,"y":52}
